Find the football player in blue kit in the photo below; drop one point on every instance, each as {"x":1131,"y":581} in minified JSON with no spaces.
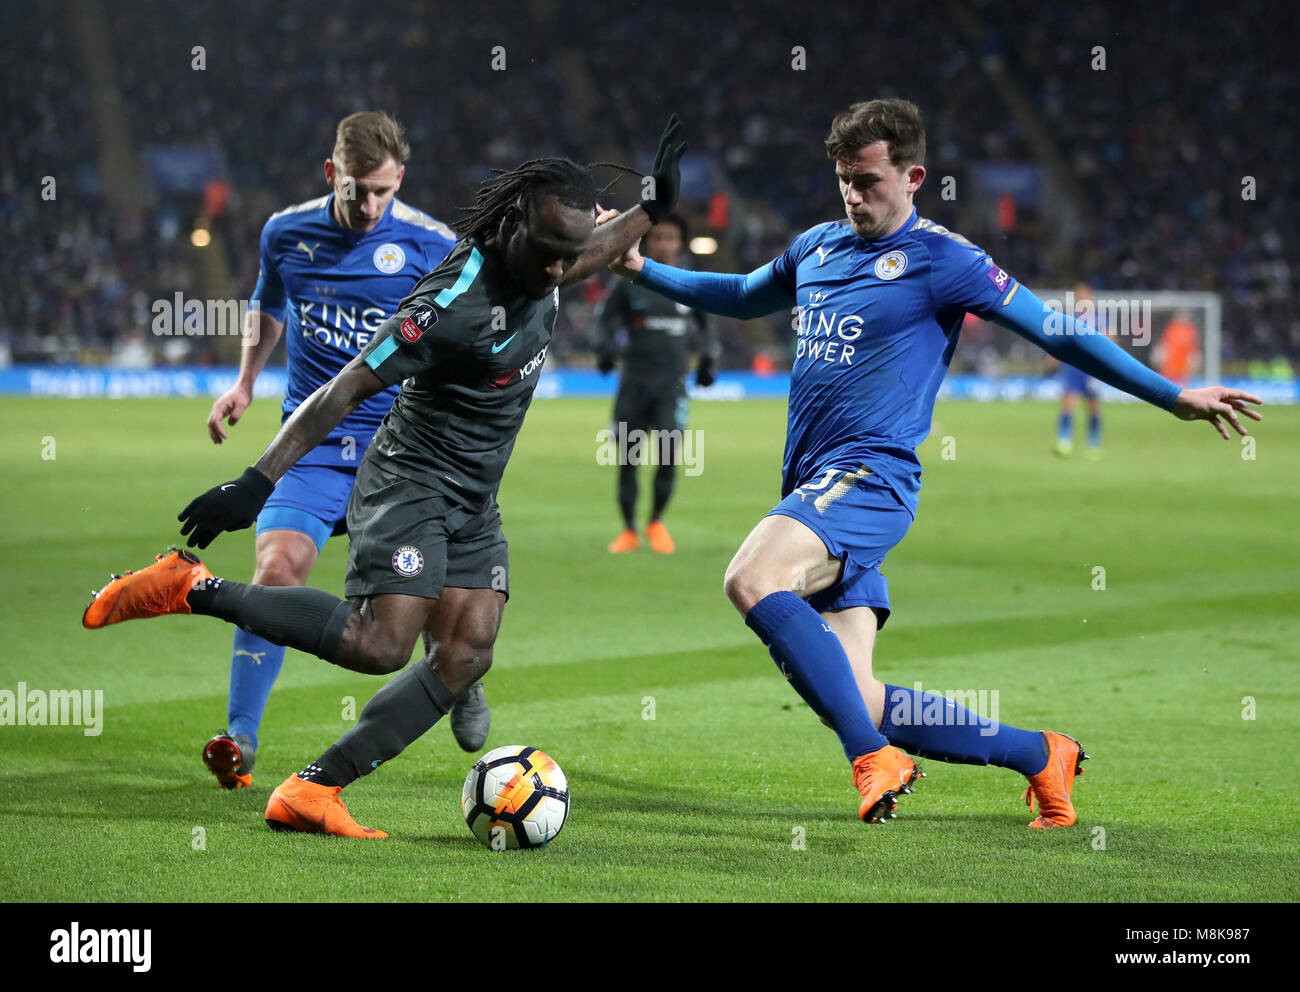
{"x":332,"y":271}
{"x":1075,"y":384}
{"x":880,"y":299}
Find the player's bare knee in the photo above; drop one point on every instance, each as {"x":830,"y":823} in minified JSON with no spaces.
{"x":374,"y":650}
{"x":377,"y":659}
{"x":277,"y":569}
{"x":742,"y":588}
{"x":463,"y":661}
{"x":389,"y":658}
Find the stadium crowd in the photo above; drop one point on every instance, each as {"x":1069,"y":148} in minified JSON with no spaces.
{"x":1160,"y":142}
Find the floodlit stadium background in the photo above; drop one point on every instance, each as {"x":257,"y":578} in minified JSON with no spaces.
{"x":1088,"y":142}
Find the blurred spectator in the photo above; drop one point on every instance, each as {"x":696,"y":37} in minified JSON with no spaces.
{"x":1161,"y":141}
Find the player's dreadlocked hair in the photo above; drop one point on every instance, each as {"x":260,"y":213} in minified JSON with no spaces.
{"x":572,"y":183}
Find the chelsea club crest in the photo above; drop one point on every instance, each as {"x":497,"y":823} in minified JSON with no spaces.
{"x":408,"y":561}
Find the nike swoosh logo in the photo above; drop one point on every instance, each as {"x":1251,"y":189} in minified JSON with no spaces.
{"x":497,"y":347}
{"x":228,"y":485}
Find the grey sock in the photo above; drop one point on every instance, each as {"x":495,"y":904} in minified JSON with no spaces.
{"x":295,"y":616}
{"x":398,"y":714}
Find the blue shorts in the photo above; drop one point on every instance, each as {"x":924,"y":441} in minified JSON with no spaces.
{"x":1075,"y":381}
{"x":860,"y":520}
{"x":311,"y":499}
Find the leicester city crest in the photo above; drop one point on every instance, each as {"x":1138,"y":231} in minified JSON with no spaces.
{"x":891,"y":265}
{"x":390,"y":258}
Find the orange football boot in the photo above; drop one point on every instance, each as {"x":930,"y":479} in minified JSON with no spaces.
{"x":626,"y":541}
{"x":1053,"y":785}
{"x":313,"y":809}
{"x":230,"y":759}
{"x":660,"y":540}
{"x":155,"y":591}
{"x":881,"y":777}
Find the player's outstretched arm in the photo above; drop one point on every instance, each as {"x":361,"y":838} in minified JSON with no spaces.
{"x":614,"y":236}
{"x":260,"y":340}
{"x":234,"y":505}
{"x":607,"y":242}
{"x":1075,"y":343}
{"x":1214,"y":402}
{"x":740,"y":296}
{"x":319,"y":414}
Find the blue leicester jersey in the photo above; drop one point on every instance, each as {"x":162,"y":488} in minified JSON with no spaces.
{"x":877,"y":324}
{"x":333,"y":289}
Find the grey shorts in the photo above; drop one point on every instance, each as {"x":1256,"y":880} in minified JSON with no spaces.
{"x":412,"y":540}
{"x":644,"y":406}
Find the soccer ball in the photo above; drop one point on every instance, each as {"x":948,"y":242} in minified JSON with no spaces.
{"x":515,"y":797}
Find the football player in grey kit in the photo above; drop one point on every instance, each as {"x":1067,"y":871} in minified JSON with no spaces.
{"x":652,"y":391}
{"x":426,"y":551}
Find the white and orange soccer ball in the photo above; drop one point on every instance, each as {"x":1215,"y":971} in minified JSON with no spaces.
{"x":514,"y":797}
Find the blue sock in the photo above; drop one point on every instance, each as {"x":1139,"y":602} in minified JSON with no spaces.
{"x":1065,"y":427}
{"x":813,"y":659}
{"x":932,"y":726}
{"x":254,"y":665}
{"x":1094,"y":430}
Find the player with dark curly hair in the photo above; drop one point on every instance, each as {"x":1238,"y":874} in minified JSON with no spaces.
{"x":426,"y":551}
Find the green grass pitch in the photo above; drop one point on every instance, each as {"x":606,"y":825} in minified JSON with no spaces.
{"x":1179,"y":677}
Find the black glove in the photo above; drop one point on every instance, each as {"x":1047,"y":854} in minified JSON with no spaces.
{"x":605,"y":363}
{"x":230,"y":506}
{"x":704,"y":377}
{"x":667,"y":172}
